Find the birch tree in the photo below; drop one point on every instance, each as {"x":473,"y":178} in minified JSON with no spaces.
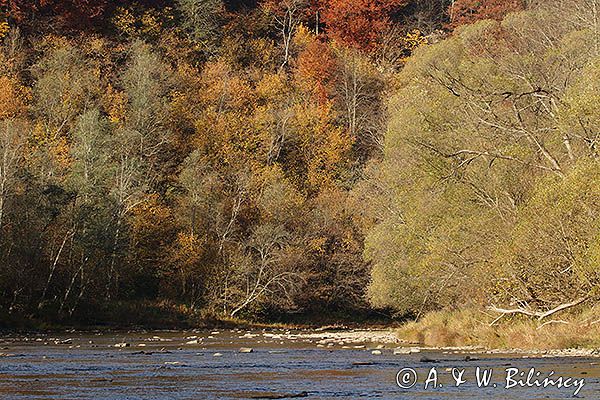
{"x":13,"y":134}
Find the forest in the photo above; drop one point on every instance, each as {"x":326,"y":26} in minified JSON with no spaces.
{"x":279,"y":159}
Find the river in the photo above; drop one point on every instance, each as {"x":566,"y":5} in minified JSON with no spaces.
{"x":280,"y":364}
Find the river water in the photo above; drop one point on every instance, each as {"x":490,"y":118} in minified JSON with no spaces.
{"x":171,"y":365}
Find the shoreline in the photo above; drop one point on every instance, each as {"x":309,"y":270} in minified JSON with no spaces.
{"x":328,"y":338}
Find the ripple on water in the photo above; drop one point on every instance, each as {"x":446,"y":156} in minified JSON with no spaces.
{"x":96,"y":370}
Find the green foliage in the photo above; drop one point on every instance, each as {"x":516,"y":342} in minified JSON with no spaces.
{"x":489,"y":174}
{"x":203,"y":21}
{"x":233,"y":160}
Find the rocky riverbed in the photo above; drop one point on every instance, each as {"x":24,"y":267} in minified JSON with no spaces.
{"x":270,"y":363}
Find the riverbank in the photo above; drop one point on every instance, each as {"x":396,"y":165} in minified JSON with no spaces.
{"x":165,"y":315}
{"x":576,"y":332}
{"x":467,"y":331}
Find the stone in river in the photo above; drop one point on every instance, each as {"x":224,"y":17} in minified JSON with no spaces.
{"x":376,"y":352}
{"x":217,"y":355}
{"x":246,"y":350}
{"x":122,"y":345}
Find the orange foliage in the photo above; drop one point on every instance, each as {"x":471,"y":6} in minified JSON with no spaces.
{"x":315,"y":71}
{"x":13,"y":98}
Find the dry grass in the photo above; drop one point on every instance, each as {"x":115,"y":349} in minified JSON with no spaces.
{"x":472,"y":328}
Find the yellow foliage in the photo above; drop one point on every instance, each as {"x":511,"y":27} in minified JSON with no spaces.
{"x":124,"y":21}
{"x":188,"y":249}
{"x":151,"y":24}
{"x":116,"y":105}
{"x":303,"y":36}
{"x":4,"y":29}
{"x":317,"y":244}
{"x":271,"y":87}
{"x":412,"y":40}
{"x":61,"y":153}
{"x":39,"y":134}
{"x":263,"y":50}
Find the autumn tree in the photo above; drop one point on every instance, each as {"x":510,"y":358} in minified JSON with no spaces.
{"x":358,"y":24}
{"x":463,"y":12}
{"x":138,"y":143}
{"x":202,"y":20}
{"x":316,"y":67}
{"x":474,"y":151}
{"x":18,"y":10}
{"x":201,"y":154}
{"x":360,"y":88}
{"x":70,"y":13}
{"x":12,"y":139}
{"x":287,"y":16}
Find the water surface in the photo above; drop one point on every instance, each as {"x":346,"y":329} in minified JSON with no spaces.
{"x":170,"y":365}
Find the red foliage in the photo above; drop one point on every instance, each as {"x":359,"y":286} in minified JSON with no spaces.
{"x":76,"y":12}
{"x":469,"y":11}
{"x":316,"y":67}
{"x":70,"y":12}
{"x":358,"y":23}
{"x":18,"y":9}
